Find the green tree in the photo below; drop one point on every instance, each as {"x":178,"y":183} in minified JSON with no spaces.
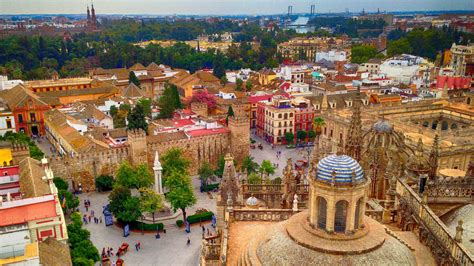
{"x":68,"y":200}
{"x":249,"y":164}
{"x":60,"y":183}
{"x":224,"y":80}
{"x":248,"y":85}
{"x":130,"y":177}
{"x":150,"y":201}
{"x":83,"y":252}
{"x":311,"y":134}
{"x":254,"y":178}
{"x":125,"y":176}
{"x":301,"y":135}
{"x":362,"y":53}
{"x":219,"y":68}
{"x":132,"y":78}
{"x":239,"y":83}
{"x":104,"y":183}
{"x":145,"y":103}
{"x":318,"y":124}
{"x":289,"y":137}
{"x":113,"y":111}
{"x":205,"y":172}
{"x":169,"y":101}
{"x":181,"y":194}
{"x":124,"y":207}
{"x":266,"y":168}
{"x":398,"y":47}
{"x":173,"y":159}
{"x":230,"y":111}
{"x":136,"y":118}
{"x":220,"y":166}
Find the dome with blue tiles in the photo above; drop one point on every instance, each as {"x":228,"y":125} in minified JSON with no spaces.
{"x":343,"y":166}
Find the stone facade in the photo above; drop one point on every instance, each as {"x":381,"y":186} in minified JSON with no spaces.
{"x":142,"y":149}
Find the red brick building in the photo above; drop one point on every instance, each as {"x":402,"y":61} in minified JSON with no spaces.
{"x":28,"y":110}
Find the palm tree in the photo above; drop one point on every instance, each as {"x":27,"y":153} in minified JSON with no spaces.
{"x":318,"y":123}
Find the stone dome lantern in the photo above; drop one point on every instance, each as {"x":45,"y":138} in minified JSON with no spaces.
{"x":338,"y":195}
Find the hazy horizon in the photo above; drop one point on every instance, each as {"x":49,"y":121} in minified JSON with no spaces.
{"x":223,"y":7}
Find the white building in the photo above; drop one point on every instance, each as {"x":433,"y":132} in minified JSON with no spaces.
{"x":6,"y":84}
{"x":7,"y":120}
{"x":331,"y":56}
{"x":402,"y":68}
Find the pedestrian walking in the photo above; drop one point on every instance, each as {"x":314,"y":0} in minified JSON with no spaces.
{"x":89,"y":218}
{"x":139,"y":245}
{"x":100,"y":219}
{"x":189,"y":242}
{"x":136,"y":246}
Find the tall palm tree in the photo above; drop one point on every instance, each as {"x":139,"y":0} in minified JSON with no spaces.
{"x":318,"y":123}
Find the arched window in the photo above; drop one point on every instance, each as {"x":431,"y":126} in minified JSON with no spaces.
{"x":357,"y":214}
{"x":285,"y":116}
{"x":434,"y":125}
{"x":444,"y":125}
{"x":454,"y":126}
{"x":340,"y":218}
{"x":322,"y":210}
{"x":468,"y":100}
{"x":426,"y":124}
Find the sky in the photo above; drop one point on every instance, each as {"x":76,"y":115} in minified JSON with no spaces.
{"x":223,"y":7}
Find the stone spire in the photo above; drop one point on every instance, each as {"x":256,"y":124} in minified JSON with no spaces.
{"x":157,"y":169}
{"x":88,"y":15}
{"x":444,"y":94}
{"x":94,"y":19}
{"x":229,"y":184}
{"x":324,"y":103}
{"x":433,"y":160}
{"x":354,"y":137}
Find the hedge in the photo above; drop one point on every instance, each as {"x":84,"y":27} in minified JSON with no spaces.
{"x":209,"y":187}
{"x":179,"y":223}
{"x":200,"y":217}
{"x":146,"y":227}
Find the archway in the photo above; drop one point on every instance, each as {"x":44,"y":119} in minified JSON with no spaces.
{"x":454,"y":126}
{"x":322,"y":211}
{"x":444,"y":125}
{"x":340,"y":217}
{"x":434,"y":125}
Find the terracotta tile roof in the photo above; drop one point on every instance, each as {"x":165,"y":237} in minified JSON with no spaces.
{"x":153,"y":66}
{"x":26,"y":210}
{"x":165,"y":137}
{"x":54,"y":253}
{"x":58,"y":121}
{"x":207,"y":132}
{"x":105,"y":89}
{"x":206,"y":76}
{"x":31,"y":179}
{"x":18,"y":96}
{"x":132,"y":91}
{"x":137,"y":67}
{"x":118,"y":133}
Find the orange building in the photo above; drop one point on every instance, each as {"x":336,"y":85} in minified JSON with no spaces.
{"x":27,"y":108}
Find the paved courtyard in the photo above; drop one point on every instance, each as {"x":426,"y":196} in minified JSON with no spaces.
{"x":170,"y":249}
{"x":270,"y":154}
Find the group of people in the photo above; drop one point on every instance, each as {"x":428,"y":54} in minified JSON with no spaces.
{"x":88,"y":218}
{"x":109,"y":252}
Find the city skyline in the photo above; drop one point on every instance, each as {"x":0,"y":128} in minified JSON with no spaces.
{"x":228,"y":7}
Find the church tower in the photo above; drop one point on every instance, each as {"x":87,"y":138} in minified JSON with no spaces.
{"x":354,"y":137}
{"x":88,"y":17}
{"x":230,"y":190}
{"x":93,"y":18}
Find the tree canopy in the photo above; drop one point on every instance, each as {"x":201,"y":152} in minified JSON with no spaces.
{"x":124,"y":206}
{"x":136,"y":118}
{"x":83,"y":252}
{"x":129,"y":177}
{"x":169,"y":101}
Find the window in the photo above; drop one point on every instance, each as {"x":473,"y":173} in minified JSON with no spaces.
{"x":20,"y":118}
{"x":33,"y":117}
{"x":340,"y":217}
{"x":9,"y":123}
{"x":322,"y":211}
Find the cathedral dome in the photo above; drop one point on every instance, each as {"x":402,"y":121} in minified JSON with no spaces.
{"x":382,"y":126}
{"x":251,"y":201}
{"x":345,"y":169}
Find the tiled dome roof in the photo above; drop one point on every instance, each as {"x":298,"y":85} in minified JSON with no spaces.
{"x":342,"y":165}
{"x":382,"y":126}
{"x":252,"y":201}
